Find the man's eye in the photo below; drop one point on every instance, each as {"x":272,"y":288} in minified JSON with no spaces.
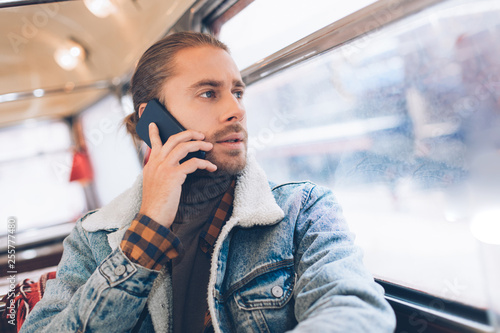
{"x":208,"y":94}
{"x":238,"y":94}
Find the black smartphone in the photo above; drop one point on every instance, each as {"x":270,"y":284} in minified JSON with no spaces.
{"x":156,"y":113}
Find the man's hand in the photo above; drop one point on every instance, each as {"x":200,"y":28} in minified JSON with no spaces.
{"x":163,"y":176}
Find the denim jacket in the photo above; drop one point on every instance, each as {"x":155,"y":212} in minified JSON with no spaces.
{"x":284,"y":261}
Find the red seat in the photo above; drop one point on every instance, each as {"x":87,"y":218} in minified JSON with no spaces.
{"x":26,"y":294}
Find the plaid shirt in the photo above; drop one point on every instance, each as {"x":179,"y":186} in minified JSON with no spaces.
{"x":149,"y":243}
{"x":152,"y":245}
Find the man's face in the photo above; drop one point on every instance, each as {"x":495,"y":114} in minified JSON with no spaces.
{"x":205,"y":94}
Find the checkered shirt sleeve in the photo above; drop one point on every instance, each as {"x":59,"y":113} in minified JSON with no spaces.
{"x":150,"y":244}
{"x":211,"y":231}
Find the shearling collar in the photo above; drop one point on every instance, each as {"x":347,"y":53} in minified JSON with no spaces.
{"x":254,"y":204}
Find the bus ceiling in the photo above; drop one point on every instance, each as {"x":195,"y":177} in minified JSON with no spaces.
{"x":59,"y":57}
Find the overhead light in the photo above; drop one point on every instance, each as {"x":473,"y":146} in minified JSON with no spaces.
{"x":69,"y":55}
{"x":38,"y":92}
{"x":8,"y":97}
{"x":100,"y":8}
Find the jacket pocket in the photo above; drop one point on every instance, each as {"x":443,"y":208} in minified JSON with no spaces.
{"x":269,"y":287}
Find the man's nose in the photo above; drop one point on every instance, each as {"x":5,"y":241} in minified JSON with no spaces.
{"x":232,"y":110}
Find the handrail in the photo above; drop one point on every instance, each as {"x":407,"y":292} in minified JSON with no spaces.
{"x":37,"y":93}
{"x":462,"y":317}
{"x":18,"y":3}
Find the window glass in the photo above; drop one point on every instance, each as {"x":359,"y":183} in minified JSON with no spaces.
{"x":35,"y":166}
{"x":33,"y":138}
{"x":402,"y":125}
{"x":266,"y":26}
{"x":111,"y":150}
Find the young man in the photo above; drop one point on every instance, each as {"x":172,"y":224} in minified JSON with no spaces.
{"x":209,"y":244}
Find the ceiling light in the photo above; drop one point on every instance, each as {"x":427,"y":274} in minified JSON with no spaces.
{"x":69,"y":55}
{"x":8,"y":97}
{"x":38,"y":92}
{"x":75,"y":51}
{"x":100,"y":8}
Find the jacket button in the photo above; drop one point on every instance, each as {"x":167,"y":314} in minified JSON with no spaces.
{"x":119,"y":270}
{"x":277,"y":291}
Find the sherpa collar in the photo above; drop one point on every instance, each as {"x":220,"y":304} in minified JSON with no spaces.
{"x":254,"y":204}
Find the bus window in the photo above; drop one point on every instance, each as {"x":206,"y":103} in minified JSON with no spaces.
{"x":402,"y":124}
{"x":265,"y":26}
{"x":35,"y":167}
{"x":111,"y":150}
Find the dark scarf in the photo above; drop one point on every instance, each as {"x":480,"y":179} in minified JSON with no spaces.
{"x":201,"y":193}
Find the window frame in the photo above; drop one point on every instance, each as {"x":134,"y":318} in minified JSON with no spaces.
{"x":364,"y":21}
{"x":224,"y":13}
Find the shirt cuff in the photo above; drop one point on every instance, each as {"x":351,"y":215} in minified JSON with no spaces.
{"x":150,"y":244}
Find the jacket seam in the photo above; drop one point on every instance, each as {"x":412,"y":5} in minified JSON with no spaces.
{"x":307,"y":197}
{"x":95,"y":303}
{"x":292,"y":183}
{"x":301,"y":209}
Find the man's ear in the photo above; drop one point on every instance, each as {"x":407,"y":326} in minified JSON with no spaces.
{"x":141,"y":108}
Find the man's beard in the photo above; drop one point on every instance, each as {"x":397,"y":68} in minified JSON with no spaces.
{"x":234,"y":161}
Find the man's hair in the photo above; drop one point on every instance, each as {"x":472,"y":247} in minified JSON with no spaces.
{"x":157,"y":65}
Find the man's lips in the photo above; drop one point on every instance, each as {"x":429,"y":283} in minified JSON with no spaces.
{"x":232,"y":138}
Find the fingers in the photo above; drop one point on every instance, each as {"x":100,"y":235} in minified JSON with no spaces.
{"x":178,"y":146}
{"x":194,"y":164}
{"x":154,"y":137}
{"x":184,"y":136}
{"x":183,"y":143}
{"x":182,"y":149}
{"x":173,"y":140}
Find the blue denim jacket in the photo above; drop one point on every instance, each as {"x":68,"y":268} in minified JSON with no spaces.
{"x":284,"y":261}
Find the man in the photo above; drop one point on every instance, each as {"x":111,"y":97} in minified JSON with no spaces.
{"x":209,"y":244}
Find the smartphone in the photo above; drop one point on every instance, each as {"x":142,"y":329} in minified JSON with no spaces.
{"x":156,"y":113}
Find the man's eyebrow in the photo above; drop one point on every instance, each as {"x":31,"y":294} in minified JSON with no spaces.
{"x":203,"y":83}
{"x":215,"y":84}
{"x":239,"y":84}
